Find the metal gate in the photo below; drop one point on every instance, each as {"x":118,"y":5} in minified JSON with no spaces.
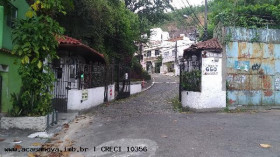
{"x":123,"y":82}
{"x":75,"y":76}
{"x":61,"y":87}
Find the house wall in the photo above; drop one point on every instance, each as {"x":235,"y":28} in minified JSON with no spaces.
{"x":95,"y":98}
{"x":11,"y":81}
{"x":22,"y":8}
{"x":253,"y":66}
{"x":212,"y":95}
{"x":1,"y":25}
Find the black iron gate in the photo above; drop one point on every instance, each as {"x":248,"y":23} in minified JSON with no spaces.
{"x":123,"y":82}
{"x":182,"y":66}
{"x":61,"y":87}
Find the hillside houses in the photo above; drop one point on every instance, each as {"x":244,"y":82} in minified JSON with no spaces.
{"x":161,"y":53}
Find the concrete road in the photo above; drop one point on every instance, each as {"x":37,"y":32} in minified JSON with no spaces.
{"x":145,"y":125}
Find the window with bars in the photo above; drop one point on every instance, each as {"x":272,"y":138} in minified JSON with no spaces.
{"x":12,"y":14}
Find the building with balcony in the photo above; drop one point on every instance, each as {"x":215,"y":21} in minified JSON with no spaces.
{"x":161,"y":53}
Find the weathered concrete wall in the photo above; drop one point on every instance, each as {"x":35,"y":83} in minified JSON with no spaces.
{"x":212,"y":95}
{"x":135,"y":88}
{"x":239,"y":34}
{"x":31,"y":123}
{"x":253,"y":65}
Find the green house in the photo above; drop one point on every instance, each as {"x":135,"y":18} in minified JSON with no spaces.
{"x":10,"y":81}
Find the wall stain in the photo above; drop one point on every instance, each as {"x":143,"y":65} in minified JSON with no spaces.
{"x":266,"y":82}
{"x":268,"y":93}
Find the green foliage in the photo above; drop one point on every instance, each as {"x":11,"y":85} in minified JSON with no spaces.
{"x":137,"y":71}
{"x":150,"y":11}
{"x":177,"y":105}
{"x":249,"y":14}
{"x":191,"y":81}
{"x":146,"y":75}
{"x":35,"y":42}
{"x":17,"y":105}
{"x":106,"y":25}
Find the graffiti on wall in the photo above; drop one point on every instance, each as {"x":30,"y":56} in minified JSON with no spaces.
{"x":240,"y":79}
{"x":277,"y":83}
{"x":256,"y":66}
{"x":242,"y":65}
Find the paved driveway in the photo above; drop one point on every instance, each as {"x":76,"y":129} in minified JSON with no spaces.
{"x":146,"y":125}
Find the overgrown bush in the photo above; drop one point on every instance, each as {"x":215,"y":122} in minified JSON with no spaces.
{"x":137,"y":72}
{"x":17,"y":107}
{"x":251,"y":16}
{"x":191,"y":81}
{"x":146,"y":75}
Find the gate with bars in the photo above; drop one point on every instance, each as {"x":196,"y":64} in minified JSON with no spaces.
{"x":122,"y":81}
{"x":75,"y":76}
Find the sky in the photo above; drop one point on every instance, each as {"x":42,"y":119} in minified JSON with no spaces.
{"x":183,"y":3}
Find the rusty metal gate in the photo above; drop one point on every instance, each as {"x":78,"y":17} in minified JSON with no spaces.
{"x":253,"y":68}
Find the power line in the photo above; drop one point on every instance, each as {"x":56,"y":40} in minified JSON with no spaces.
{"x":193,"y":12}
{"x":182,"y":15}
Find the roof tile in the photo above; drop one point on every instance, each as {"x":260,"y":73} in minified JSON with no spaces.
{"x":212,"y":44}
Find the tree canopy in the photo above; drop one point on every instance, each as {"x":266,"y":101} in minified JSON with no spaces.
{"x":152,"y":10}
{"x":113,"y":26}
{"x":106,"y":25}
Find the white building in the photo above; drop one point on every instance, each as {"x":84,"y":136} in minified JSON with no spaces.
{"x":161,"y":53}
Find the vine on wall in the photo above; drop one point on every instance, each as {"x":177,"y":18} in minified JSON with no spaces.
{"x":35,"y":43}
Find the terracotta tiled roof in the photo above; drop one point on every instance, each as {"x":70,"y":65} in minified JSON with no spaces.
{"x":212,"y":44}
{"x":68,"y":40}
{"x":71,"y":43}
{"x":209,"y":44}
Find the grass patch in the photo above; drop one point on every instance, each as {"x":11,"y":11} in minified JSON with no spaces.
{"x":177,"y":105}
{"x":238,"y":110}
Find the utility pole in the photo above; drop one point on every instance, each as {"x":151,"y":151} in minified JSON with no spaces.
{"x":176,"y":52}
{"x":141,"y":52}
{"x":205,"y":21}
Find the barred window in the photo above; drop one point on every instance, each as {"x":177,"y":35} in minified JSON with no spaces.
{"x":12,"y":14}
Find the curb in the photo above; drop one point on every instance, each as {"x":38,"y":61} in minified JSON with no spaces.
{"x":150,"y":86}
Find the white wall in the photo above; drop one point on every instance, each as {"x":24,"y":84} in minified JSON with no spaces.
{"x":211,"y":95}
{"x":111,"y":92}
{"x":95,"y":98}
{"x":135,"y":88}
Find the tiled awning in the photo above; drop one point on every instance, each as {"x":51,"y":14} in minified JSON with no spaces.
{"x":77,"y":47}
